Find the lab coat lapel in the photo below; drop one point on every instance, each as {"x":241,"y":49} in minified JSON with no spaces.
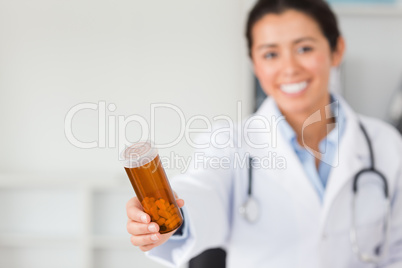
{"x":293,"y":177}
{"x":352,"y":154}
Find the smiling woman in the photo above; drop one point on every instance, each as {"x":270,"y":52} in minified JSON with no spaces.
{"x":307,"y":210}
{"x":293,"y":46}
{"x":292,"y":60}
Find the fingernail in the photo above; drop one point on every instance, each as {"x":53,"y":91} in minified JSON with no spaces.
{"x":152,"y":228}
{"x":144,"y":218}
{"x":154,"y":237}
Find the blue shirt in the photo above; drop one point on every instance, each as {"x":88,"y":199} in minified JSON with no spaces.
{"x":328,"y":148}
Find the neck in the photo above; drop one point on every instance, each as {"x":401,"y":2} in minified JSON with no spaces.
{"x":312,"y":133}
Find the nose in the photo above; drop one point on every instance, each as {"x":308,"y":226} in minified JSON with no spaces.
{"x":290,"y":66}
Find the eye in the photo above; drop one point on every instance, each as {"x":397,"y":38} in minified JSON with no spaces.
{"x":304,"y":49}
{"x":270,"y":55}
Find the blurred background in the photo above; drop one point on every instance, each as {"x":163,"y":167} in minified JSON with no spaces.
{"x":64,"y":206}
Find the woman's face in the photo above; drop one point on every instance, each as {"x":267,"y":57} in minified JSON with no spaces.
{"x":292,"y":60}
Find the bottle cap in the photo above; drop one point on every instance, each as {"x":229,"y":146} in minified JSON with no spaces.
{"x":138,"y":154}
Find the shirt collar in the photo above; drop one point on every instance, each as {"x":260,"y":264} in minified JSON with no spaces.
{"x":333,"y":137}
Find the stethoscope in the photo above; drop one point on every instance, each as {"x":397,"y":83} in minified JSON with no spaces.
{"x":250,"y":210}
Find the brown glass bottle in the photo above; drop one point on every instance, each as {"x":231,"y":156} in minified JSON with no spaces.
{"x":151,"y":185}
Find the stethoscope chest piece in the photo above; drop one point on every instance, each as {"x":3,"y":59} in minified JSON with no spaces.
{"x":250,"y":210}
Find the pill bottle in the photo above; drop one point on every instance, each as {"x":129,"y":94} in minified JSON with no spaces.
{"x":151,"y":185}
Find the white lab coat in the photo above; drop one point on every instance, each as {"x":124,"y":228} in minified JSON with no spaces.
{"x":295,"y":228}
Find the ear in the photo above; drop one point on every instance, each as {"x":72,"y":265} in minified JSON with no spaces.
{"x":337,"y":55}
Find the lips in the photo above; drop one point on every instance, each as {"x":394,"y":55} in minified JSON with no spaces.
{"x":293,"y":88}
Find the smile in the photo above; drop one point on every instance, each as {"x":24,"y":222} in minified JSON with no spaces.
{"x":294,"y":88}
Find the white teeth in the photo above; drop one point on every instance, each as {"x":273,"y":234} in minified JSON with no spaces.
{"x":293,"y":88}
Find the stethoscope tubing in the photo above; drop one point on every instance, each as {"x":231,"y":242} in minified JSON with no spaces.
{"x":353,"y":231}
{"x":244,"y":209}
{"x":372,"y":166}
{"x":251,"y":208}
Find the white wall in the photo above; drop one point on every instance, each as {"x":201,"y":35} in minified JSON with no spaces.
{"x":57,"y":54}
{"x":373,"y":61}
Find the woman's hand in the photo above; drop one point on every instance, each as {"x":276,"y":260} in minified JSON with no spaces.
{"x":144,"y":233}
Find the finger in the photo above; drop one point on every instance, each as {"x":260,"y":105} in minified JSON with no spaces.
{"x":180,"y":202}
{"x":142,"y":240}
{"x":135,"y":211}
{"x":137,"y":228}
{"x":147,"y":247}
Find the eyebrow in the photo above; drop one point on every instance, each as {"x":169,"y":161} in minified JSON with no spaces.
{"x":294,"y":42}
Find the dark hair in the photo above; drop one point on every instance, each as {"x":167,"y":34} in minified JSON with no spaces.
{"x":316,"y":9}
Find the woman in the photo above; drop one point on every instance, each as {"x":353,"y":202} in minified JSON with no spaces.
{"x":305,"y":205}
